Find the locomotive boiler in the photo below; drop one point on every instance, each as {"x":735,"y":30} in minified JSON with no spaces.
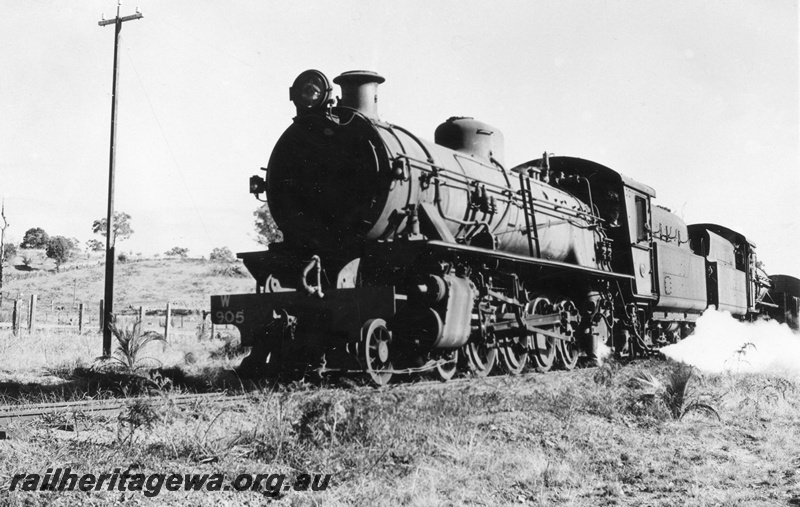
{"x":402,"y":255}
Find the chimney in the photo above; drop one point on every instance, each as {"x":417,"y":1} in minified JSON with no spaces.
{"x":360,"y":91}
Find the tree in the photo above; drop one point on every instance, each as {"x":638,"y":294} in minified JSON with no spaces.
{"x":9,"y":252}
{"x":122,"y":226}
{"x":223,"y":254}
{"x":177,"y":252}
{"x":34,"y":238}
{"x":60,"y":249}
{"x":95,"y":245}
{"x":266,"y":229}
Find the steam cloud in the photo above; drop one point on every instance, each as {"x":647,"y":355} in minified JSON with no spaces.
{"x":721,"y":343}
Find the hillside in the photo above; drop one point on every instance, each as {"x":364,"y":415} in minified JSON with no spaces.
{"x":185,"y":282}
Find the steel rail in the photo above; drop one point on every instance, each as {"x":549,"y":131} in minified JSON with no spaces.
{"x":9,"y":413}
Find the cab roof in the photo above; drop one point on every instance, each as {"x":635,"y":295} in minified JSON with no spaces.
{"x":591,"y":171}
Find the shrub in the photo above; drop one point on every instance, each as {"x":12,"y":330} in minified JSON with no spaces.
{"x":34,"y":238}
{"x":60,"y":249}
{"x":674,"y":395}
{"x":95,"y":245}
{"x":223,"y":254}
{"x":8,"y":253}
{"x":137,"y":414}
{"x":177,"y":252}
{"x":130,"y":344}
{"x":228,"y":270}
{"x":324,"y":421}
{"x":266,"y":229}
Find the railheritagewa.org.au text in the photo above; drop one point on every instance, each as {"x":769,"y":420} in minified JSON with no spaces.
{"x":153,"y":484}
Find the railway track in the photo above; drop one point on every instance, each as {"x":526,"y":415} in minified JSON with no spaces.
{"x":108,"y":407}
{"x":114,"y":406}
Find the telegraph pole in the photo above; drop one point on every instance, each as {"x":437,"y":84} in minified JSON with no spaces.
{"x":108,"y":297}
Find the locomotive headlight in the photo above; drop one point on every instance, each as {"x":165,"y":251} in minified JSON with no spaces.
{"x":257,"y":185}
{"x":310,"y":90}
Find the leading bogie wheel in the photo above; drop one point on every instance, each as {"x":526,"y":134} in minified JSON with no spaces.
{"x":447,"y":366}
{"x":256,"y":364}
{"x":376,"y":339}
{"x":622,"y":341}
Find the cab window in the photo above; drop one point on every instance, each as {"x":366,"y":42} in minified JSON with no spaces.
{"x":641,"y":220}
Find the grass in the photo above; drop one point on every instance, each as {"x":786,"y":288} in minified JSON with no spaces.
{"x":45,"y":366}
{"x":562,"y":438}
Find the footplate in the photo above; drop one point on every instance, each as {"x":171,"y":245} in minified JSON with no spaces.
{"x":323,"y":322}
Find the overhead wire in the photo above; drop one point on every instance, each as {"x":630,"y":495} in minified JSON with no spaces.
{"x":169,"y":148}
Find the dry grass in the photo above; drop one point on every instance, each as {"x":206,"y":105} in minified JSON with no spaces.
{"x":32,"y":355}
{"x":580,"y":438}
{"x":44,"y":366}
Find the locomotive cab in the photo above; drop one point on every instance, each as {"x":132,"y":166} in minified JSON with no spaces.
{"x":622,"y":204}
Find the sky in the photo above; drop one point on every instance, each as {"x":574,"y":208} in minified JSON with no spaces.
{"x":697,"y":99}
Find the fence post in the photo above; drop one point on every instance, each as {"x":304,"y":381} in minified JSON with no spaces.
{"x":167,"y":322}
{"x":15,"y":317}
{"x":102,"y":315}
{"x":80,"y":318}
{"x":32,"y":314}
{"x":141,"y":317}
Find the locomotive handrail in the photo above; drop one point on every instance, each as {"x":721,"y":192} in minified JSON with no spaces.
{"x":415,"y":138}
{"x":528,"y":260}
{"x":315,"y":263}
{"x":502,"y":169}
{"x":530,"y":217}
{"x":589,"y":189}
{"x":389,"y":129}
{"x":515,"y":198}
{"x":437,"y":199}
{"x":500,"y":190}
{"x":424,"y":162}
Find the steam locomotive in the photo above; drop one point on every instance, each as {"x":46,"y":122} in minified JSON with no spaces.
{"x":402,"y":255}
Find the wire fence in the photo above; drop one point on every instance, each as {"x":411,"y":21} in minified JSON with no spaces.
{"x":32,"y":314}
